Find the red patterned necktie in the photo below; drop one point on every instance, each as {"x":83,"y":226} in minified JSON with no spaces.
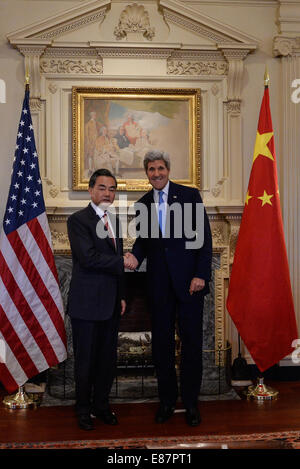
{"x":110,"y":233}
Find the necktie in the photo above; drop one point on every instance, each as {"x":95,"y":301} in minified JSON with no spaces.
{"x":161,"y":212}
{"x":110,"y":233}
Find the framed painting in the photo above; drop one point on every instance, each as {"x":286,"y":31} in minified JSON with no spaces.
{"x":114,"y":129}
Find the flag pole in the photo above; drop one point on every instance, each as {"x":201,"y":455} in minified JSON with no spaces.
{"x":260,"y":391}
{"x":20,"y":400}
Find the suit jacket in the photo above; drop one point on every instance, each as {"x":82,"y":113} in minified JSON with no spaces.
{"x":97,"y":276}
{"x":169,"y":256}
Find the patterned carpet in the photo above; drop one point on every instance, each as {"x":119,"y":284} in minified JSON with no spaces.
{"x":274,"y":440}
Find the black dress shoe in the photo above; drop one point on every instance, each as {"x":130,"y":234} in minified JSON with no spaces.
{"x":192,"y":416}
{"x":85,"y":422}
{"x":164,"y":413}
{"x":107,"y":416}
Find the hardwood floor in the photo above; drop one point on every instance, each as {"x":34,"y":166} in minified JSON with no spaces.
{"x":137,"y":420}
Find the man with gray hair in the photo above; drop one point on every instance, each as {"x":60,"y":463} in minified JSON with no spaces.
{"x":178,"y":274}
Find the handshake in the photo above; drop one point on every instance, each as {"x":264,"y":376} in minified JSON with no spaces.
{"x":130,"y":261}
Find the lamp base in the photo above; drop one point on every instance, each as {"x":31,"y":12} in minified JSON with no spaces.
{"x":261,"y":392}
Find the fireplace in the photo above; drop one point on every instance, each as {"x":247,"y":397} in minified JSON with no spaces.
{"x":134,"y":349}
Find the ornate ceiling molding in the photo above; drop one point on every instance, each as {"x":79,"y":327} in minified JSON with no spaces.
{"x":46,"y":51}
{"x":205,"y":26}
{"x":70,"y":20}
{"x":44,"y":32}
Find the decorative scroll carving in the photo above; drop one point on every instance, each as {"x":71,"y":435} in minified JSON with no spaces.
{"x":218,"y":236}
{"x":215,"y":89}
{"x":134,"y":19}
{"x":233,"y":107}
{"x":183,"y":67}
{"x":35,"y":104}
{"x":60,"y":240}
{"x":218,"y":187}
{"x":54,"y":191}
{"x":68,"y":66}
{"x":284,"y":46}
{"x":233,"y":236}
{"x":52,"y":88}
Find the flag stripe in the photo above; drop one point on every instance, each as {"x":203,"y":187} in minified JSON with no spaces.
{"x":32,"y":245}
{"x":37,"y":228}
{"x":22,"y":304}
{"x":5,"y":377}
{"x":13,"y":323}
{"x":12,"y":340}
{"x":36,"y":292}
{"x":50,"y":297}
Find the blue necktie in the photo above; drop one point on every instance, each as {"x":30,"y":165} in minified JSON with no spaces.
{"x":161,"y":212}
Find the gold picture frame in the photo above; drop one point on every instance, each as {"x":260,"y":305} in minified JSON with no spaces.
{"x":115,"y":127}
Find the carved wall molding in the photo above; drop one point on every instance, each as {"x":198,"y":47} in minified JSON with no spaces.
{"x":216,"y":190}
{"x":60,"y":238}
{"x":286,"y":46}
{"x":52,"y":87}
{"x":215,"y":89}
{"x":185,"y":67}
{"x":234,"y":223}
{"x":73,"y":25}
{"x":63,"y":51}
{"x":54,"y":191}
{"x":218,"y":236}
{"x":132,"y":51}
{"x":134,"y":19}
{"x":233,"y":107}
{"x":221,"y":276}
{"x":71,"y":66}
{"x":35,"y":104}
{"x":195,"y":27}
{"x":32,"y":54}
{"x":235,"y":72}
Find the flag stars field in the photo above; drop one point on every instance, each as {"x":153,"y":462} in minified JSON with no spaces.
{"x":261,"y":145}
{"x":266,"y":198}
{"x":248,"y":197}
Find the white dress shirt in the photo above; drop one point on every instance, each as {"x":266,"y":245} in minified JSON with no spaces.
{"x":100,"y":212}
{"x":165,"y":192}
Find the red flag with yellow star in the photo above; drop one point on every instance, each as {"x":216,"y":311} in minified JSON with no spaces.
{"x":260,"y":297}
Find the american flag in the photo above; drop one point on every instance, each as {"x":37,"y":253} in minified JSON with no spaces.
{"x":32,"y":331}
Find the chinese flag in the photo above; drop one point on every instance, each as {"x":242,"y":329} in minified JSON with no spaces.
{"x":260,"y":297}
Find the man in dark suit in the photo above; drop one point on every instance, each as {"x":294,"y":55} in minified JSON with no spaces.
{"x":95,"y":299}
{"x":178,"y":271}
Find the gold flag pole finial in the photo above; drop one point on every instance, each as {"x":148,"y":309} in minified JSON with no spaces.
{"x":266,"y":77}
